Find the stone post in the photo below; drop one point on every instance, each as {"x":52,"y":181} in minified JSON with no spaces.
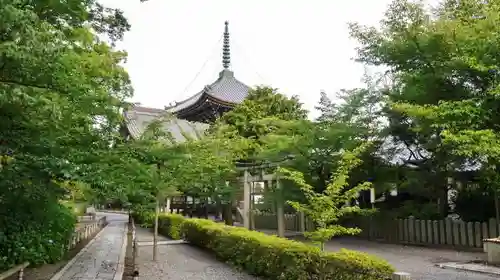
{"x":280,"y":213}
{"x":246,"y":200}
{"x":492,"y":250}
{"x":251,"y":212}
{"x":21,"y":274}
{"x":302,"y":222}
{"x":401,"y":276}
{"x":167,"y":206}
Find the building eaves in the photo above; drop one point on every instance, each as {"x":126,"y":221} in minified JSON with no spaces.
{"x":226,"y":89}
{"x":138,"y":118}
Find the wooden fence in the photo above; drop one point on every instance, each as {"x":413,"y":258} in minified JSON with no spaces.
{"x":448,"y":232}
{"x":86,"y":231}
{"x":439,"y":233}
{"x":270,"y":221}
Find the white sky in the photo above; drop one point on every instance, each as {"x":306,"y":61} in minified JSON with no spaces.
{"x":298,"y":46}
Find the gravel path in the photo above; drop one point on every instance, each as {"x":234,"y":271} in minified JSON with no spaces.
{"x":418,"y":261}
{"x":100,"y":259}
{"x":181,"y":262}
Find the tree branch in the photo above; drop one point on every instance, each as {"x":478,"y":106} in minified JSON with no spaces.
{"x":17,"y":83}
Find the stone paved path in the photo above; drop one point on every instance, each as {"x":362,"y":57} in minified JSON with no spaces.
{"x":418,"y":261}
{"x":99,"y":261}
{"x":181,"y":262}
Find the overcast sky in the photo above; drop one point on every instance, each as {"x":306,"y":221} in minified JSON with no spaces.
{"x":298,"y":46}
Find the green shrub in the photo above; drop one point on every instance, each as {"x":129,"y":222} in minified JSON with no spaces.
{"x":269,"y":256}
{"x":37,"y":237}
{"x":144,"y":218}
{"x":170,"y":225}
{"x":278,"y":258}
{"x":78,"y":208}
{"x":466,"y":202}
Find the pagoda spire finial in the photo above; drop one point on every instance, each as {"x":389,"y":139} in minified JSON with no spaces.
{"x":226,"y":51}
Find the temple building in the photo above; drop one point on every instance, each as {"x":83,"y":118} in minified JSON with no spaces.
{"x":197,"y":112}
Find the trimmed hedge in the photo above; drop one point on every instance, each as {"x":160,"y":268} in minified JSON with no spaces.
{"x":170,"y":225}
{"x":144,"y":218}
{"x":273,"y":257}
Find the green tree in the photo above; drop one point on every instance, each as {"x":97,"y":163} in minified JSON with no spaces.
{"x":245,"y":124}
{"x":467,"y":123}
{"x":356,"y":116}
{"x":211,"y":168}
{"x":61,"y":91}
{"x":327,"y":207}
{"x":420,"y":55}
{"x":261,"y":103}
{"x":327,"y":156}
{"x":162,"y":155}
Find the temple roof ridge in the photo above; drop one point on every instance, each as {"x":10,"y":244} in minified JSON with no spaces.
{"x":137,"y":118}
{"x":194,"y":113}
{"x":225,"y":90}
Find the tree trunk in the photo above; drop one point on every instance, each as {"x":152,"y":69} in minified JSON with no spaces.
{"x":444,"y":197}
{"x":192,"y":207}
{"x":155,"y":235}
{"x":197,"y":209}
{"x":217,"y":209}
{"x":442,"y":186}
{"x":497,"y":206}
{"x":205,"y":209}
{"x":185,"y":206}
{"x":228,"y":214}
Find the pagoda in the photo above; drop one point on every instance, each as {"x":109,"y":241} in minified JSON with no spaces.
{"x":198,"y":111}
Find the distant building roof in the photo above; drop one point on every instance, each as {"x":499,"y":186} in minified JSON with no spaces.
{"x":397,"y":153}
{"x":226,"y":90}
{"x":208,"y":104}
{"x":138,"y":118}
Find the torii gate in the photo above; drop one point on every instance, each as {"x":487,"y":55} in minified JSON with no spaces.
{"x":248,"y":182}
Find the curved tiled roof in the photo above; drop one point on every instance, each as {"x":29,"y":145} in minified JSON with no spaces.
{"x":138,"y":118}
{"x":226,"y":89}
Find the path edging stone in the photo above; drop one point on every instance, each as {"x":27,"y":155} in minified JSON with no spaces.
{"x":464,"y":267}
{"x":121,"y":261}
{"x":61,"y":272}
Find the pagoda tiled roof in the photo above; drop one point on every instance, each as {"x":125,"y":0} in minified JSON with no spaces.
{"x":138,"y":118}
{"x":226,"y":90}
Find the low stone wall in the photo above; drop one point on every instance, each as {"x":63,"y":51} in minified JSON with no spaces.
{"x":113,"y":211}
{"x":19,"y":270}
{"x":492,"y":249}
{"x":86,"y":231}
{"x":131,"y":271}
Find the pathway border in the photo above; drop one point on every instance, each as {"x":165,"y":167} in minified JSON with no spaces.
{"x":121,"y":260}
{"x":471,"y":267}
{"x":60,"y":273}
{"x":125,"y":212}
